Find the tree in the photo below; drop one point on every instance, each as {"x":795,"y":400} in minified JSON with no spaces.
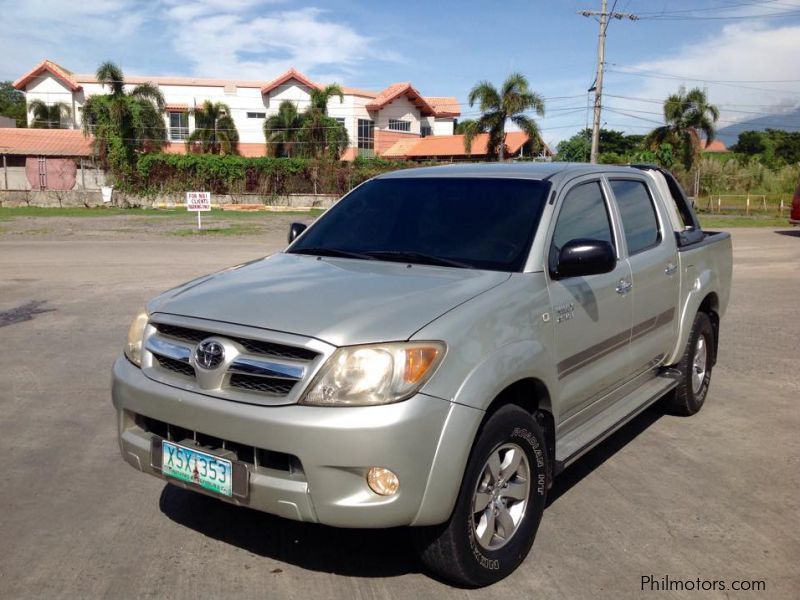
{"x":48,"y":116}
{"x":321,"y":134}
{"x":12,"y":103}
{"x":575,"y":149}
{"x":509,"y":103}
{"x":749,"y":143}
{"x":467,"y":124}
{"x":215,"y":132}
{"x":282,"y":130}
{"x":124,"y":123}
{"x":685,"y":114}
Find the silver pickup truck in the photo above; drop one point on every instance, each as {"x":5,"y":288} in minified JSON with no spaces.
{"x":431,"y":352}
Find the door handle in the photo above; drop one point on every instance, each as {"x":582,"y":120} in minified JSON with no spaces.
{"x":670,"y":269}
{"x":623,"y":287}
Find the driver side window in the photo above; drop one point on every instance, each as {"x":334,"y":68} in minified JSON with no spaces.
{"x":583,"y":214}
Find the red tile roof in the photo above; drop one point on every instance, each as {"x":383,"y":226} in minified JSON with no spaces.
{"x":714,"y":146}
{"x":397,"y":90}
{"x":288,"y":76}
{"x":445,"y":146}
{"x":177,"y":107}
{"x":44,"y":142}
{"x":444,"y":106}
{"x":47,"y":66}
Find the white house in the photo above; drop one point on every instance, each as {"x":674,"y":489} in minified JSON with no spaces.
{"x":375,"y":121}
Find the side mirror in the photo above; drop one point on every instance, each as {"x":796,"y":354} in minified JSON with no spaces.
{"x":295,"y":229}
{"x":582,"y":257}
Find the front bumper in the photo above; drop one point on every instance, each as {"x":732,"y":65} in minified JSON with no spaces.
{"x":424,"y":440}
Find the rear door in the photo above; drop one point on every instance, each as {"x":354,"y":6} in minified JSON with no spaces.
{"x":592,"y":314}
{"x":653,"y":257}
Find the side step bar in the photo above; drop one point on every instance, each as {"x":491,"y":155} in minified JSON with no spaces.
{"x":582,"y":439}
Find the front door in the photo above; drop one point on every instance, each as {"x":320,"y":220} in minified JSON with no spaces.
{"x":592,"y":314}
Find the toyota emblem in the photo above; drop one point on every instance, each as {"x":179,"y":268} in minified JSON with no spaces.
{"x":209,"y":354}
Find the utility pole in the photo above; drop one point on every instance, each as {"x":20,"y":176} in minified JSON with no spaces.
{"x":604,"y":17}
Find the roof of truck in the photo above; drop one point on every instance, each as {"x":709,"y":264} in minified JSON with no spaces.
{"x":550,"y":171}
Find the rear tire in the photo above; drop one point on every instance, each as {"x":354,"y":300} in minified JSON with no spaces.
{"x":695,"y":369}
{"x":499,"y":506}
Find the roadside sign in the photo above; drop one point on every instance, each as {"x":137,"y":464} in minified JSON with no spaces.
{"x":198,"y":202}
{"x":105,"y":191}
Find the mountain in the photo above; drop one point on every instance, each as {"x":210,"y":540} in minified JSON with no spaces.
{"x":790,"y":121}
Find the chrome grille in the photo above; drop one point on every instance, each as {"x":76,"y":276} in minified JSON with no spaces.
{"x":267,"y":385}
{"x":259,"y":371}
{"x":176,"y":366}
{"x":253,"y":346}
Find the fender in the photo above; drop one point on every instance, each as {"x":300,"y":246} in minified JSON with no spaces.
{"x":704,"y":284}
{"x":503,"y":367}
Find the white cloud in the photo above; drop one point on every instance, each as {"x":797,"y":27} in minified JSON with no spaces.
{"x":63,"y":30}
{"x":222,"y":43}
{"x":744,"y":69}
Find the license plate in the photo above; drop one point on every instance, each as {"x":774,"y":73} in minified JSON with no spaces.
{"x":189,"y":465}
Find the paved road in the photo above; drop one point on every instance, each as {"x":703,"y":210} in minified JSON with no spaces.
{"x":715,"y":496}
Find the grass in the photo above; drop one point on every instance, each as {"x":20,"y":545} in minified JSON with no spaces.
{"x":231,"y":230}
{"x":32,"y":211}
{"x":726,"y":221}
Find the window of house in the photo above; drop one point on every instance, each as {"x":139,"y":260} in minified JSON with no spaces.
{"x":425,"y":130}
{"x":399,"y":125}
{"x":366,"y":137}
{"x":256,"y":115}
{"x":637,"y":213}
{"x":178,"y":125}
{"x":340,"y":121}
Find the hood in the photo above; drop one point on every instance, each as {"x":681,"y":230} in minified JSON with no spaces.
{"x":339,"y":301}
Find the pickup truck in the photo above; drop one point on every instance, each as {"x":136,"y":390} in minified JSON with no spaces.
{"x":431,"y":352}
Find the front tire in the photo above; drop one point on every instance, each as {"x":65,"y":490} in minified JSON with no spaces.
{"x":499,"y":506}
{"x":695,"y":368}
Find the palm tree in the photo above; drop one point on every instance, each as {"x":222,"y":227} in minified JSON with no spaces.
{"x":463,"y":126}
{"x":282,"y":130}
{"x":685,"y":113}
{"x":49,"y":116}
{"x":124,"y":123}
{"x":215,"y":132}
{"x":320,"y":133}
{"x":509,"y":103}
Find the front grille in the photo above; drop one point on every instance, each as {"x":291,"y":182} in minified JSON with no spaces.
{"x":268,"y":385}
{"x":256,"y":457}
{"x":176,"y":366}
{"x":253,"y":346}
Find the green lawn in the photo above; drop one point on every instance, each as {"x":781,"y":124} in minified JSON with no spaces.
{"x":9,"y":213}
{"x":234,"y":229}
{"x":726,"y":221}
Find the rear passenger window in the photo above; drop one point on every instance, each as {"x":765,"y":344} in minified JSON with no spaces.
{"x":584,"y":215}
{"x":638,"y":214}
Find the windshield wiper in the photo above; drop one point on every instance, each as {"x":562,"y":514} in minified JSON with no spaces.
{"x":331,"y":252}
{"x":417,"y":257}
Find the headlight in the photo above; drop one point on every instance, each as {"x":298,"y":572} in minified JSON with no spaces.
{"x":133,"y":349}
{"x":374,"y":374}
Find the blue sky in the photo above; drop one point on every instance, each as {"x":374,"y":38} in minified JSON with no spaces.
{"x":746,"y":58}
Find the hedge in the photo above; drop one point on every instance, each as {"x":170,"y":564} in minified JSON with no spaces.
{"x":161,"y":172}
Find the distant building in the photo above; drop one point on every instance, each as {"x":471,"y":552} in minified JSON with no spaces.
{"x":716,"y":146}
{"x":375,"y":121}
{"x":451,"y":148}
{"x":46,"y":159}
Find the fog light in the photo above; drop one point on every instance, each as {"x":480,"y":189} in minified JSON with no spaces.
{"x":382,"y":481}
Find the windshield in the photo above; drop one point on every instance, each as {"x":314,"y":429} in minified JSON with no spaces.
{"x":479,"y":223}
